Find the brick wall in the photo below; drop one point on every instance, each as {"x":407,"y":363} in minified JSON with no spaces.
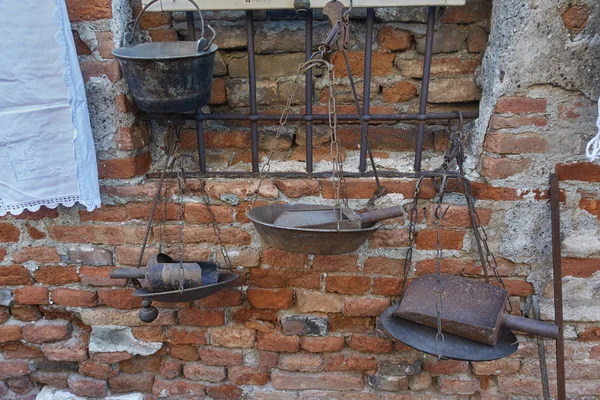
{"x":299,"y":326}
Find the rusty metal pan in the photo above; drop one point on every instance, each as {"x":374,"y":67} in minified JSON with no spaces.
{"x":422,"y":338}
{"x":306,"y":240}
{"x":191,"y":294}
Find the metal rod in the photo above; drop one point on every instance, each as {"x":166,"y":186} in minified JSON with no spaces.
{"x":313,"y":117}
{"x":425,"y":84}
{"x":252,"y":84}
{"x":362,"y":166}
{"x":300,"y":174}
{"x":190,"y":25}
{"x":201,"y":145}
{"x":308,"y":92}
{"x":558,"y":296}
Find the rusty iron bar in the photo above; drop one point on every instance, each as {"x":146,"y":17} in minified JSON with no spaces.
{"x":304,"y":175}
{"x":558,"y":295}
{"x":309,"y":92}
{"x":425,"y":84}
{"x":252,"y":84}
{"x":362,"y":166}
{"x":313,"y":117}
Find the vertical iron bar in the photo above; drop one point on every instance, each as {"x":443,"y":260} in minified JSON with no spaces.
{"x":252,"y":84}
{"x":308,"y":92}
{"x":558,"y":296}
{"x":425,"y":84}
{"x":362,"y":166}
{"x":190,"y":25}
{"x":200,"y":137}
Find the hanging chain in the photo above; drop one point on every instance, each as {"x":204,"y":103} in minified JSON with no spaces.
{"x":412,"y":234}
{"x":180,"y":189}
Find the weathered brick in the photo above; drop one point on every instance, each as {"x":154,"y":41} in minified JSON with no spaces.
{"x":89,"y":11}
{"x":340,"y":323}
{"x":53,"y":379}
{"x":445,"y":367}
{"x":14,"y":275}
{"x":341,"y":263}
{"x":507,"y":366}
{"x":242,"y":375}
{"x":301,"y":362}
{"x":517,"y":121}
{"x":341,"y":362}
{"x":201,"y":372}
{"x":119,"y":298}
{"x":56,"y":275}
{"x":96,"y":234}
{"x":124,"y":383}
{"x":400,"y":92}
{"x":177,"y":387}
{"x":361,"y":307}
{"x":185,"y":352}
{"x":388,"y":383}
{"x":73,"y":297}
{"x":34,"y":232}
{"x":321,"y":381}
{"x":149,"y":333}
{"x":124,"y":168}
{"x":170,"y":368}
{"x":89,"y":256}
{"x":47,"y":331}
{"x":278,"y":342}
{"x":12,"y":369}
{"x":277,"y":278}
{"x":456,"y":90}
{"x":220,"y":356}
{"x":198,"y":317}
{"x":233,"y":337}
{"x":87,"y":387}
{"x":73,"y":349}
{"x":31,"y":295}
{"x":393,"y":39}
{"x":451,"y":239}
{"x":389,"y":238}
{"x":98,"y":276}
{"x":110,"y":358}
{"x":579,"y":171}
{"x":520,"y":105}
{"x":26,"y":313}
{"x":369,"y":344}
{"x":576,"y":16}
{"x":271,"y":298}
{"x":382,"y":64}
{"x":10,"y":333}
{"x":187,"y":335}
{"x":100,"y":69}
{"x":97,"y":370}
{"x":137,"y":364}
{"x":457,"y":386}
{"x":9,"y":233}
{"x":347,"y":284}
{"x":322,"y":344}
{"x":41,"y":254}
{"x":304,"y":325}
{"x":224,"y":298}
{"x":477,"y":39}
{"x":298,"y":188}
{"x":309,"y":301}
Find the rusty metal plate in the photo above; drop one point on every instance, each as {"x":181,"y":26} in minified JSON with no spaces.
{"x":422,"y":338}
{"x":191,"y":294}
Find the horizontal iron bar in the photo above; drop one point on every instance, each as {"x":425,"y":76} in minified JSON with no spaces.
{"x":301,"y":174}
{"x":314,"y":117}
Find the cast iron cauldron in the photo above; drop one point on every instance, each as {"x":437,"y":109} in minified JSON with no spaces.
{"x":168,"y":76}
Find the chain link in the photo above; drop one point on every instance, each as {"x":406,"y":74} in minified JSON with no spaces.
{"x":412,"y":234}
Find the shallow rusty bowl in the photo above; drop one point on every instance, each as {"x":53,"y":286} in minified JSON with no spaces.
{"x":190,"y":294}
{"x":303,"y":240}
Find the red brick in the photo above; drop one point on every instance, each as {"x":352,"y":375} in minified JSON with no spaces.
{"x":580,"y":171}
{"x":340,"y":323}
{"x":224,"y":298}
{"x":99,"y":69}
{"x":362,"y":307}
{"x":400,"y":92}
{"x":138,"y":364}
{"x":2,"y":254}
{"x":383,"y":64}
{"x":518,"y":287}
{"x":13,"y":369}
{"x":98,"y":276}
{"x":149,"y":333}
{"x":96,"y":234}
{"x":303,"y":362}
{"x":297,"y":188}
{"x":218,"y":94}
{"x":580,"y":267}
{"x":245,"y":314}
{"x":320,"y":381}
{"x":576,"y":17}
{"x":322,"y":344}
{"x":105,"y":44}
{"x":516,"y":144}
{"x":589,"y":334}
{"x":445,"y":367}
{"x":73,"y":349}
{"x":53,"y":379}
{"x":97,"y":370}
{"x":14,"y":275}
{"x":187,"y":335}
{"x":163,"y":35}
{"x":170,"y":368}
{"x":34,"y":232}
{"x":73,"y":297}
{"x":220,"y":356}
{"x":119,"y":298}
{"x":177,"y":387}
{"x":506,"y":366}
{"x":340,"y":362}
{"x":47,"y":331}
{"x":273,"y":278}
{"x":25,"y":313}
{"x":383,"y":266}
{"x":201,"y":372}
{"x":342,"y":263}
{"x":40,"y":254}
{"x":589,"y":205}
{"x":519,"y":386}
{"x":451,"y":240}
{"x":4,"y":314}
{"x":89,"y":10}
{"x":474,"y":11}
{"x":56,"y":275}
{"x":477,"y":39}
{"x":81,"y":48}
{"x":517,"y":121}
{"x":458,"y":386}
{"x":394,"y":40}
{"x":124,"y":168}
{"x":201,"y":234}
{"x":284,"y":259}
{"x":348,"y":284}
{"x":132,"y":138}
{"x":196,"y":213}
{"x":124,"y":383}
{"x":224,"y":392}
{"x":10,"y":333}
{"x":197,"y":317}
{"x":233,"y":337}
{"x":87,"y":387}
{"x":9,"y":233}
{"x":110,"y":358}
{"x":520,"y":105}
{"x":271,"y":298}
{"x":448,"y":266}
{"x":458,"y":216}
{"x":277,"y":342}
{"x":370,"y":344}
{"x":243,"y":375}
{"x":389,"y":238}
{"x":31,"y":295}
{"x":185,"y":352}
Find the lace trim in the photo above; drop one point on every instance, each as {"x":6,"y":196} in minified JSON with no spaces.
{"x":53,"y":202}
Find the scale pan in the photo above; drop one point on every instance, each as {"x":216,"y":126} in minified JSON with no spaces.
{"x":422,"y":338}
{"x":191,"y":294}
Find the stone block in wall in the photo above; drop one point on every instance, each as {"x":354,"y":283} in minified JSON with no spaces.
{"x":447,"y":39}
{"x":268,"y":66}
{"x":457,"y":90}
{"x":238,"y":95}
{"x":440,"y":66}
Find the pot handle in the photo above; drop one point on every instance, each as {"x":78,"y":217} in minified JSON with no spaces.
{"x":203,"y":44}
